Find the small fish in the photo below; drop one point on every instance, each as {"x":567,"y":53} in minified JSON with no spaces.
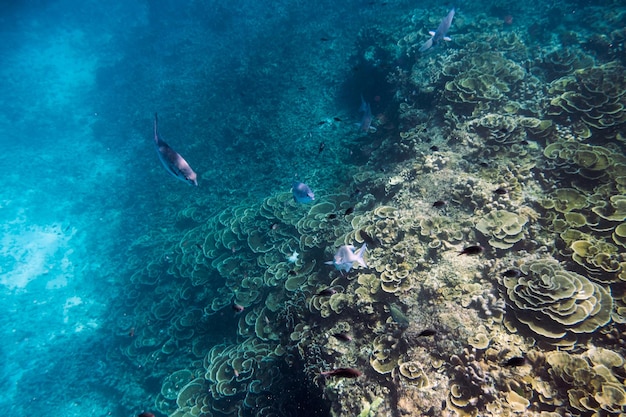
{"x":337,"y":119}
{"x":398,"y":315}
{"x":131,"y":332}
{"x":237,"y":308}
{"x":366,"y":120}
{"x":434,"y":148}
{"x":500,"y":191}
{"x":369,"y":240}
{"x":326,"y":292}
{"x":349,"y":211}
{"x":346,"y":256}
{"x":342,"y":373}
{"x":472,"y":250}
{"x":173,"y":162}
{"x":427,"y":332}
{"x":439,"y":204}
{"x":321,"y":148}
{"x":331,"y":216}
{"x":344,"y":337}
{"x":301,"y":192}
{"x":439,"y":34}
{"x":512,"y":273}
{"x":515,"y":361}
{"x":145,"y":414}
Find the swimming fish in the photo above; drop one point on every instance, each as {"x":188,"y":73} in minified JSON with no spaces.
{"x":512,"y":273}
{"x":173,"y":162}
{"x":515,"y":361}
{"x":145,"y":414}
{"x":440,"y":33}
{"x":344,"y":337}
{"x":301,"y":192}
{"x":427,"y":332}
{"x":472,"y":250}
{"x":366,"y":120}
{"x":346,"y":257}
{"x":343,"y":373}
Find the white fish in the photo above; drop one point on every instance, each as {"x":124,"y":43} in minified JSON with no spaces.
{"x":173,"y":162}
{"x":441,"y":32}
{"x":346,"y":257}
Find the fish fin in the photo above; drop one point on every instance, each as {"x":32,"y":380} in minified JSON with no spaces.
{"x":359,"y":255}
{"x":427,"y":45}
{"x":156,"y":128}
{"x":431,"y":32}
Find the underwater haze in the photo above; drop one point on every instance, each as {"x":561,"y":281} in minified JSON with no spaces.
{"x":402,"y":208}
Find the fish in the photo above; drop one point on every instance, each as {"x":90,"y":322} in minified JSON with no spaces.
{"x":326,"y":292}
{"x":398,"y":315}
{"x":427,"y":332}
{"x":342,"y":373}
{"x":237,"y":308}
{"x":369,"y":240}
{"x":344,"y":337}
{"x":500,"y":191}
{"x":472,"y":250}
{"x":366,"y":120}
{"x":302,"y":193}
{"x":145,"y":414}
{"x":439,"y":34}
{"x":346,"y":257}
{"x":349,"y":211}
{"x":515,"y":361}
{"x":512,"y":273}
{"x":173,"y":162}
{"x":331,"y":216}
{"x":321,"y":147}
{"x":439,"y":204}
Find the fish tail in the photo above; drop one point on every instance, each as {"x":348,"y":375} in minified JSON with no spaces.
{"x":359,"y":255}
{"x":427,"y":45}
{"x":156,"y":126}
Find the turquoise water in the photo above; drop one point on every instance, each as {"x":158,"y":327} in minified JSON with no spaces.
{"x":254,"y":95}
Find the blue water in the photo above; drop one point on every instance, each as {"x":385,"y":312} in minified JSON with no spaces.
{"x":246,"y":90}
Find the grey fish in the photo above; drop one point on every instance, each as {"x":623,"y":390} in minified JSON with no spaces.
{"x":439,"y":34}
{"x":366,"y":120}
{"x":346,"y":257}
{"x":173,"y":162}
{"x":302,"y":193}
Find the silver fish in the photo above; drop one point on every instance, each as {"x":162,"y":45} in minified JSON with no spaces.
{"x":302,"y":193}
{"x":173,"y":162}
{"x":440,"y":34}
{"x":346,"y":257}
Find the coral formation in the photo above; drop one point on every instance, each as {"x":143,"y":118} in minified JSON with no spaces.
{"x":557,"y":304}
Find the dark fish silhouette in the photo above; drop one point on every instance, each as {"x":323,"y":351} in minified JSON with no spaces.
{"x":344,"y":337}
{"x":349,"y":211}
{"x":515,"y":361}
{"x":500,"y":191}
{"x":342,"y":373}
{"x":439,"y":204}
{"x":371,"y":242}
{"x":427,"y":332}
{"x":512,"y":273}
{"x":472,"y":250}
{"x":326,"y":292}
{"x":173,"y":162}
{"x":145,"y":414}
{"x":237,"y":308}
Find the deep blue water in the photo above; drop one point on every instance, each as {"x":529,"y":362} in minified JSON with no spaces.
{"x":243,"y":90}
